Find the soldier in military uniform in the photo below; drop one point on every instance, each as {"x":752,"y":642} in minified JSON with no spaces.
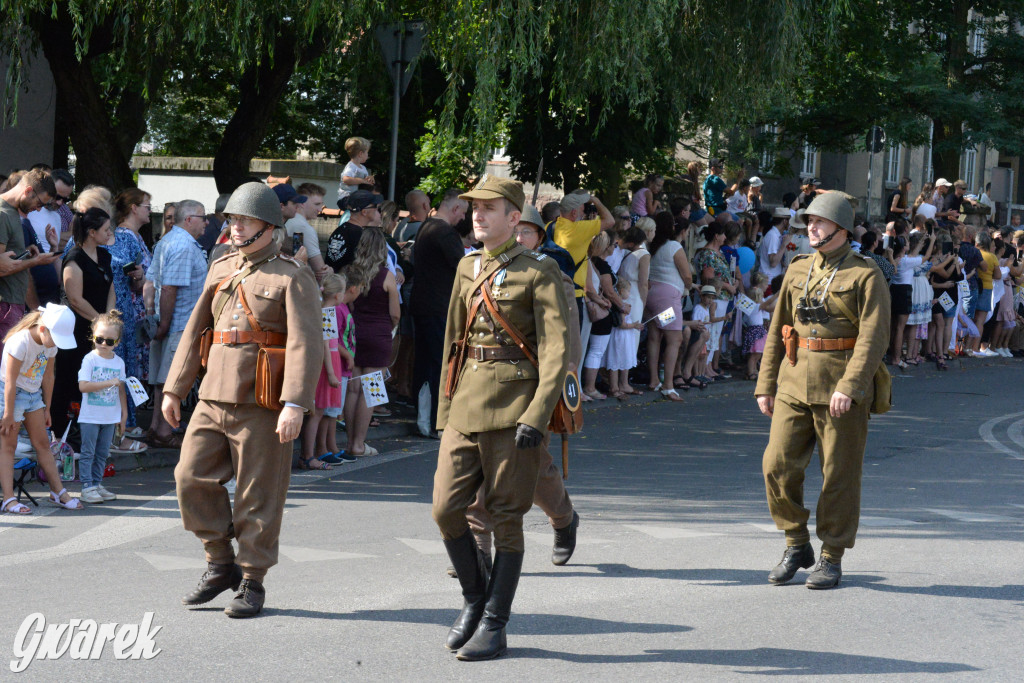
{"x":827,"y":337}
{"x":496,"y":409}
{"x":251,"y":297}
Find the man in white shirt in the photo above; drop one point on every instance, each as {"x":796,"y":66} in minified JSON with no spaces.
{"x":773,"y":246}
{"x":299,"y":224}
{"x":47,"y":215}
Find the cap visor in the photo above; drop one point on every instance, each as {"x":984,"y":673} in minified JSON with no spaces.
{"x":300,"y":199}
{"x":64,"y":341}
{"x":482,"y":194}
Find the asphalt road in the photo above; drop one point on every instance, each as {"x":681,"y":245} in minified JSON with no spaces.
{"x":668,"y":580}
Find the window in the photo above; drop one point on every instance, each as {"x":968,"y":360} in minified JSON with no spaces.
{"x":769,"y":132}
{"x":969,"y":161}
{"x":978,"y":42}
{"x":809,"y":166}
{"x":893,"y":164}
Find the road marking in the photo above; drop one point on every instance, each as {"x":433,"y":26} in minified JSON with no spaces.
{"x":1016,"y":433}
{"x":987,"y":432}
{"x":666,"y":533}
{"x":297,"y":554}
{"x":883,"y":522}
{"x":548,"y":539}
{"x":972,"y":517}
{"x":424,"y":547}
{"x":168,"y":563}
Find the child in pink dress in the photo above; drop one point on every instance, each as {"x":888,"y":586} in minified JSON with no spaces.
{"x":328,"y":388}
{"x":342,"y":352}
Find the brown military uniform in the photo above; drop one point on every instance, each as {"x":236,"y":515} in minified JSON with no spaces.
{"x":803,"y":391}
{"x":493,"y":396}
{"x":550,"y":494}
{"x":229,"y":435}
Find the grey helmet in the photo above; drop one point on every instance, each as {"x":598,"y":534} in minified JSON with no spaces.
{"x":256,"y":200}
{"x":834,"y":207}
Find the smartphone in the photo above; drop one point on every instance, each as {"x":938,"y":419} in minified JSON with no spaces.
{"x":23,"y":255}
{"x":128,"y":268}
{"x":296,"y":243}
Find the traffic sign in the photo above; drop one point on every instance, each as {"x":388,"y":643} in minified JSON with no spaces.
{"x":875,"y":141}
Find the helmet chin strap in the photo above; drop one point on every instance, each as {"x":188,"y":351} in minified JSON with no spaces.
{"x":252,"y":239}
{"x":825,"y":240}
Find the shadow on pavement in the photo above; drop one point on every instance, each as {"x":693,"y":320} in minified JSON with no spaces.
{"x":526,"y":624}
{"x":724,"y":577}
{"x":765,"y":661}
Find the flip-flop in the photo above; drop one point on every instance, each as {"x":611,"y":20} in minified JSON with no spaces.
{"x":313,"y":464}
{"x":671,"y":395}
{"x":129,"y":445}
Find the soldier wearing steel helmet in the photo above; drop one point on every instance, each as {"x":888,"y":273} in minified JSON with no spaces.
{"x":827,"y":337}
{"x":252,"y":296}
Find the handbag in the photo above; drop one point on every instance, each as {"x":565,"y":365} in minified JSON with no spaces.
{"x":595,"y":311}
{"x":566,"y":418}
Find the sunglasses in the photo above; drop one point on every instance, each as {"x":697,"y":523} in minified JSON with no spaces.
{"x":62,"y":199}
{"x":106,"y":341}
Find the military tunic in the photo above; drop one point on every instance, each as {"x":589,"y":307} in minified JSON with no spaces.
{"x":229,"y":435}
{"x":803,"y":392}
{"x":492,"y":397}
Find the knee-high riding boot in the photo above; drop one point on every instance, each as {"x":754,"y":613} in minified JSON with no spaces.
{"x":489,"y":640}
{"x":472,"y":575}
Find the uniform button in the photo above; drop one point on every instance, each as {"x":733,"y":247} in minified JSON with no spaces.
{"x":239,"y":306}
{"x":243,"y":280}
{"x":481,"y":334}
{"x":266,"y":293}
{"x":234,"y":317}
{"x":814,"y":332}
{"x":474,"y":366}
{"x":519,"y":373}
{"x":482,"y":319}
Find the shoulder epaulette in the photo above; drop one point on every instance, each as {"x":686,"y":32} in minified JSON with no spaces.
{"x":225,"y":257}
{"x":475,"y":252}
{"x":290,"y":259}
{"x":536,"y":255}
{"x":798,"y":257}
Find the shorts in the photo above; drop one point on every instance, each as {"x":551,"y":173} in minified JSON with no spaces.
{"x":161,"y":353}
{"x":901,"y":299}
{"x":972,"y":303}
{"x":984,"y":300}
{"x":24,"y":402}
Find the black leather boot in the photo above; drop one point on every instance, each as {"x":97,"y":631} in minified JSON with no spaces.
{"x":215,"y":580}
{"x":826,"y":575}
{"x":565,"y":542}
{"x":796,"y":557}
{"x":472,"y":575}
{"x":248,"y":601}
{"x":489,"y":640}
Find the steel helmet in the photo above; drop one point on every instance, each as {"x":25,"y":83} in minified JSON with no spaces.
{"x":256,"y":200}
{"x":834,"y":207}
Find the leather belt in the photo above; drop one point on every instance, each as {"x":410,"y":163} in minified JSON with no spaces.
{"x":249,"y":337}
{"x":816,"y":344}
{"x":495,"y":353}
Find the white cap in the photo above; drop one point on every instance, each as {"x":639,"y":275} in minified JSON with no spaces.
{"x":942,"y":182}
{"x":60,"y":322}
{"x":756,"y":181}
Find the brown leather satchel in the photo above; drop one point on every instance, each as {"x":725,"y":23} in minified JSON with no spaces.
{"x":567,"y":418}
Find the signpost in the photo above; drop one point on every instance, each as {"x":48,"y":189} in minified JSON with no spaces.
{"x":875,"y":143}
{"x":400,"y":44}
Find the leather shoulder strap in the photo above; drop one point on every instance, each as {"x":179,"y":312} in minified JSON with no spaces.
{"x":510,"y":329}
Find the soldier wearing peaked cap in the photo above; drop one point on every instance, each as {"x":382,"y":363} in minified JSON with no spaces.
{"x":496,"y":407}
{"x":255,"y":297}
{"x":827,"y":337}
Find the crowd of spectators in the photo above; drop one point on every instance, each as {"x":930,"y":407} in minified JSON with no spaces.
{"x":672,"y":292}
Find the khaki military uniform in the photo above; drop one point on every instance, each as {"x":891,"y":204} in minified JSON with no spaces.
{"x":229,"y":435}
{"x":493,"y":396}
{"x":803,"y":391}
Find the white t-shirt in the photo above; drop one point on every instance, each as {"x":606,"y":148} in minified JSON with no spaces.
{"x":663,"y":266}
{"x":905,"y":270}
{"x":39,"y":219}
{"x":701,"y":314}
{"x":770,"y":245}
{"x":33,"y":359}
{"x":615,"y":259}
{"x":737,"y":203}
{"x":351,"y":170}
{"x":754,"y":319}
{"x":101,"y":407}
{"x":310,"y":240}
{"x":927,"y":210}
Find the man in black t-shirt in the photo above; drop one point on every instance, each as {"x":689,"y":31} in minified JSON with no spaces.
{"x":341,"y":245}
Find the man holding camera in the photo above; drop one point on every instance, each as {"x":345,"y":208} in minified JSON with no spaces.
{"x":827,"y":337}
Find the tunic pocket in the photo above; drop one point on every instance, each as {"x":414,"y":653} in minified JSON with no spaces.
{"x":267,"y":302}
{"x":505,"y":371}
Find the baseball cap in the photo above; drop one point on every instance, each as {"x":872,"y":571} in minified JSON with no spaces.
{"x":715,"y":163}
{"x":942,"y":182}
{"x":361,"y":199}
{"x":708,"y":289}
{"x":755,"y":181}
{"x":491,"y":187}
{"x":574,"y":200}
{"x":287,"y":193}
{"x":60,"y":321}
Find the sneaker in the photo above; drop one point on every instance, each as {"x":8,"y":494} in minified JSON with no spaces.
{"x":345,"y":457}
{"x":1004,"y":352}
{"x":331,"y":458}
{"x":986,"y":353}
{"x":91,"y":495}
{"x":105,"y":494}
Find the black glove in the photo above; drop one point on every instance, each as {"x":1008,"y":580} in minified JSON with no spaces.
{"x":528,"y":437}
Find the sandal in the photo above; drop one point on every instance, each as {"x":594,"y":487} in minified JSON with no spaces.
{"x":129,"y":445}
{"x":369,"y":451}
{"x":672,"y":395}
{"x":656,"y":387}
{"x":313,"y":464}
{"x":941,"y":364}
{"x":679,"y":382}
{"x":596,"y":395}
{"x":381,"y":411}
{"x":16,"y":509}
{"x":374,"y":422}
{"x":585,"y":398}
{"x":137,"y":433}
{"x":621,"y":395}
{"x":71,"y":504}
{"x":902,"y":365}
{"x":700,"y":384}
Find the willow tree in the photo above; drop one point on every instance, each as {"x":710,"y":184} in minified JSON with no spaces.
{"x":710,"y":58}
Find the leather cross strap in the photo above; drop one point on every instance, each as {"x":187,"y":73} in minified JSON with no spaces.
{"x":524,"y":345}
{"x":249,"y":337}
{"x":817,"y":344}
{"x":481,"y":353}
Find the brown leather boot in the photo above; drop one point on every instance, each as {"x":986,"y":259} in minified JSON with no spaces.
{"x":248,"y":601}
{"x":217,"y":579}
